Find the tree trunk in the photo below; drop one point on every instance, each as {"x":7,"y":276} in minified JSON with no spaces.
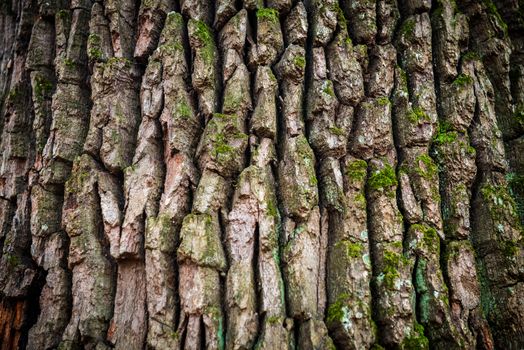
{"x":273,"y":174}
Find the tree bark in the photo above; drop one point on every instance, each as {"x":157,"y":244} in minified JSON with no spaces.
{"x":195,"y":174}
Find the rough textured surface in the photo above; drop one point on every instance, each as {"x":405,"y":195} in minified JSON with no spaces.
{"x":196,"y":174}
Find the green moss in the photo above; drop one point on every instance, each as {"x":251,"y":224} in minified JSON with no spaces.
{"x":222,"y":149}
{"x":340,"y":16}
{"x":429,"y":169}
{"x":408,"y":27}
{"x":353,"y":250}
{"x":360,"y":199}
{"x":62,"y":14}
{"x":13,"y":260}
{"x":205,"y":35}
{"x":492,"y":9}
{"x":43,"y":88}
{"x":174,"y":335}
{"x":174,"y":19}
{"x":274,"y":319}
{"x":501,"y":203}
{"x":417,"y":114}
{"x":328,"y":88}
{"x":300,"y":61}
{"x":444,"y":134}
{"x":462,"y":80}
{"x":268,"y":14}
{"x":429,"y":235}
{"x":130,"y":169}
{"x":77,"y":180}
{"x":182,"y":110}
{"x":416,"y":340}
{"x":308,"y":159}
{"x":271,"y":208}
{"x":94,"y":46}
{"x":338,"y":310}
{"x":313,"y":180}
{"x":384,"y":179}
{"x":337,"y":131}
{"x":383,"y":101}
{"x":357,"y":170}
{"x":509,"y":249}
{"x":69,"y":63}
{"x":390,"y":271}
{"x":471,"y":56}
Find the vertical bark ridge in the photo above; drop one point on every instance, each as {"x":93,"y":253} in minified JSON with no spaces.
{"x":456,"y":159}
{"x":303,"y":238}
{"x":415,"y":109}
{"x":200,"y":255}
{"x":20,"y":277}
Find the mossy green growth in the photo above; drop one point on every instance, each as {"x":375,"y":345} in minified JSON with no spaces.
{"x":429,"y":235}
{"x":502,"y":204}
{"x":62,"y":14}
{"x":509,"y":248}
{"x":383,"y":179}
{"x":174,"y":19}
{"x":308,"y":157}
{"x":360,"y":199}
{"x":337,"y":311}
{"x":462,"y":80}
{"x":268,"y":14}
{"x":205,"y":35}
{"x":492,"y":9}
{"x":353,"y":250}
{"x":340,"y":16}
{"x":392,"y":262}
{"x":444,"y":134}
{"x":417,"y":114}
{"x":221,"y":148}
{"x":182,"y":110}
{"x":300,"y":61}
{"x":328,"y":88}
{"x":69,"y":63}
{"x":78,"y":177}
{"x":471,"y":56}
{"x":13,"y":260}
{"x":115,"y":61}
{"x":274,"y":319}
{"x":383,"y":101}
{"x":357,"y":170}
{"x":408,"y":27}
{"x":416,"y":340}
{"x":429,"y":169}
{"x":519,"y":115}
{"x":94,"y":46}
{"x":336,"y":131}
{"x":43,"y":88}
{"x":272,"y":208}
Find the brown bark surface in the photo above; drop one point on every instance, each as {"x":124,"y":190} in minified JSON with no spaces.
{"x":249,"y":174}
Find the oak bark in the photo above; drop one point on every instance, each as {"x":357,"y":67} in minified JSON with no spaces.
{"x":196,"y":174}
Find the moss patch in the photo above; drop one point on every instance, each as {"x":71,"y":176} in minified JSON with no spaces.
{"x":268,"y":14}
{"x":416,"y":340}
{"x":426,"y":167}
{"x":444,"y":134}
{"x":384,"y":179}
{"x":462,"y":80}
{"x":357,"y":170}
{"x":300,"y":61}
{"x":417,"y":114}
